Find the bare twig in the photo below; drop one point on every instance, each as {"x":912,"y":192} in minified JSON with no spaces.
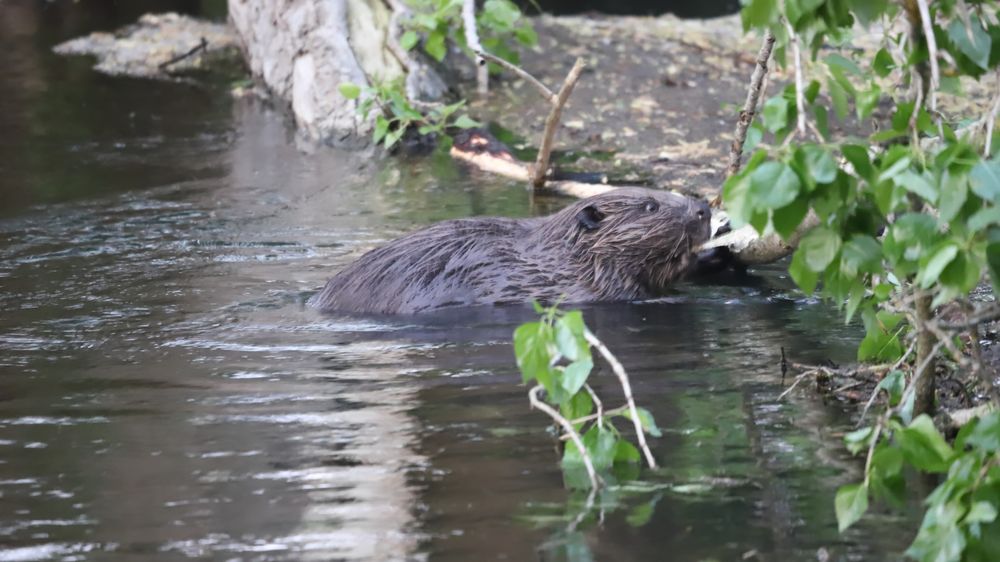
{"x":546,"y":93}
{"x":984,"y":314}
{"x":797,"y":380}
{"x":472,"y":40}
{"x":800,"y":97}
{"x":750,"y":106}
{"x":871,"y":399}
{"x":541,"y":168}
{"x":201,"y":46}
{"x":871,"y":449}
{"x":627,"y":389}
{"x":595,"y":481}
{"x":598,"y":403}
{"x":932,"y":55}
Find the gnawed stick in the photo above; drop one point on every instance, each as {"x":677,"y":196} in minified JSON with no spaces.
{"x":482,"y":150}
{"x":541,"y":168}
{"x":595,"y":481}
{"x":627,"y":390}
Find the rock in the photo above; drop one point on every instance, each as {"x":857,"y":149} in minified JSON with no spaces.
{"x":155,"y":46}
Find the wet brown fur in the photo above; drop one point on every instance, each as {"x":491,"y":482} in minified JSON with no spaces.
{"x":623,"y":245}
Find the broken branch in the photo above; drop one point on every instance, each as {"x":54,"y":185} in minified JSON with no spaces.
{"x":541,"y":168}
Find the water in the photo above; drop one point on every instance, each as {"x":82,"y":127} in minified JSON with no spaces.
{"x":164,"y":393}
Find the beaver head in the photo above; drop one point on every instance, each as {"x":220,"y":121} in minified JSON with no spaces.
{"x":630,"y":242}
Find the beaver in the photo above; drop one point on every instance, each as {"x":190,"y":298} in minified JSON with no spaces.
{"x":622,"y":245}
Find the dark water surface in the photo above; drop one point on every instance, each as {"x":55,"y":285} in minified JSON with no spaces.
{"x":164,"y":394}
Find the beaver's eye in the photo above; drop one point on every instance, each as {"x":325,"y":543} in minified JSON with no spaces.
{"x":652,"y":207}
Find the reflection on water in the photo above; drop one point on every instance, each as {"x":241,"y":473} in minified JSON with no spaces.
{"x":165,"y":394}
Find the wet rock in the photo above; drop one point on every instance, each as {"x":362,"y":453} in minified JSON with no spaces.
{"x":156,"y":46}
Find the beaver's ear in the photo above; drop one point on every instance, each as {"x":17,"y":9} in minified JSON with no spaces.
{"x":589,"y":217}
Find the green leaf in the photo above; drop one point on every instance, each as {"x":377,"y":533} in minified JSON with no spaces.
{"x":575,"y":375}
{"x":986,"y":435}
{"x":954,"y":191}
{"x":349,"y":90}
{"x":789,"y":217}
{"x":466,"y":122}
{"x":984,"y":217}
{"x":805,"y":277}
{"x":850,"y":504}
{"x":977,"y":47}
{"x":883,"y":63}
{"x":579,"y":405}
{"x":646,"y":421}
{"x":773,"y":185}
{"x":935,"y":264}
{"x":570,"y":339}
{"x":893,"y":384}
{"x":435,"y":45}
{"x":981,"y":512}
{"x":867,"y":101}
{"x":626,"y":452}
{"x":923,"y":446}
{"x":392,"y":137}
{"x":759,"y":13}
{"x":861,"y":253}
{"x":859,"y":440}
{"x":381,"y":128}
{"x":531,"y":349}
{"x":858,"y":157}
{"x":821,"y":164}
{"x":820,"y":246}
{"x":526,"y":36}
{"x":917,"y":183}
{"x":986,"y":179}
{"x":775,"y":114}
{"x":409,"y":40}
{"x":838,"y":95}
{"x":842,"y":62}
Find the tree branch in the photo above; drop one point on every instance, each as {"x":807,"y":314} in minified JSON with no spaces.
{"x":749,"y":106}
{"x":541,"y":168}
{"x":595,"y":481}
{"x":546,"y":93}
{"x":472,"y":40}
{"x":627,"y":389}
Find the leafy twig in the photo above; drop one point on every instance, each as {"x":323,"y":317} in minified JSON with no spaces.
{"x":595,"y":481}
{"x":627,"y":389}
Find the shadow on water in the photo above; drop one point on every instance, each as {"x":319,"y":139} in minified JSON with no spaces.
{"x":165,"y":394}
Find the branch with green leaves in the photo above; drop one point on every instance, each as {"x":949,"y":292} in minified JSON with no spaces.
{"x":907,"y":225}
{"x":555,"y":353}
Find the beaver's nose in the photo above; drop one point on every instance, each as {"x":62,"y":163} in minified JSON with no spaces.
{"x":702,"y":211}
